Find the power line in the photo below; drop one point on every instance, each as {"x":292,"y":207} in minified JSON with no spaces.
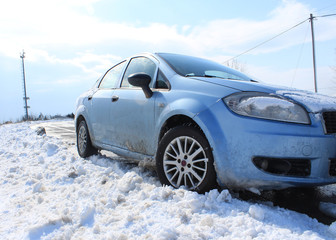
{"x":267,"y":41}
{"x":327,"y":15}
{"x":327,"y":8}
{"x":300,"y":55}
{"x":262,"y":43}
{"x":311,"y":19}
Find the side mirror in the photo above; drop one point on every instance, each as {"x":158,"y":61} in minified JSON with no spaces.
{"x":141,"y":80}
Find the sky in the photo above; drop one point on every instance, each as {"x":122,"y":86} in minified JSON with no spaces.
{"x":69,"y":44}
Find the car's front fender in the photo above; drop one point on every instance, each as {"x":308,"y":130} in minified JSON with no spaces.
{"x":212,"y":129}
{"x":168,"y":106}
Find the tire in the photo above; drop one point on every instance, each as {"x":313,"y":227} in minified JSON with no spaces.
{"x":184,"y":158}
{"x":84,"y":145}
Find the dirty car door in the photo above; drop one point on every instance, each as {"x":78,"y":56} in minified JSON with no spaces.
{"x":101,"y":101}
{"x":132,"y":114}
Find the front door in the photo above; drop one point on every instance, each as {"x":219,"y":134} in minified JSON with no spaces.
{"x":132,"y":114}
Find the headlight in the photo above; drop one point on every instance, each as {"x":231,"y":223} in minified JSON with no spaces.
{"x":267,"y":106}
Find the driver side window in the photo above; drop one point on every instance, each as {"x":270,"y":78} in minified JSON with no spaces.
{"x":138,"y":65}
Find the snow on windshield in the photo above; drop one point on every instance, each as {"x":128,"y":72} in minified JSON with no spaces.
{"x":48,"y":192}
{"x":315,"y":102}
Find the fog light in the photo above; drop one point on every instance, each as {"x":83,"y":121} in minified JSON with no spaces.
{"x":285,"y":166}
{"x":272,"y":165}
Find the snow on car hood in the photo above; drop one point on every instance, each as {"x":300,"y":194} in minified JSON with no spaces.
{"x":314,"y":102}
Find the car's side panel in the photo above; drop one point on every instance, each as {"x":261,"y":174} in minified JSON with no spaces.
{"x":131,"y":121}
{"x":98,"y":108}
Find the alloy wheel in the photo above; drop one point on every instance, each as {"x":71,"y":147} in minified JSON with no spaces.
{"x":185,"y":162}
{"x":82,"y":139}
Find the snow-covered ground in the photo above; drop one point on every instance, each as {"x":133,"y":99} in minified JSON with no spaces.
{"x":48,"y":192}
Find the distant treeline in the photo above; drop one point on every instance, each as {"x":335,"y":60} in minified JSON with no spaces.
{"x":40,"y":117}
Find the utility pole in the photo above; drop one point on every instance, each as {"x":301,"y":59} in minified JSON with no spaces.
{"x":313,"y":46}
{"x":25,"y":98}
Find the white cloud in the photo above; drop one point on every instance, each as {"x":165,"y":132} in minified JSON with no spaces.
{"x":88,"y":62}
{"x":301,"y":78}
{"x":38,"y":24}
{"x":236,"y":35}
{"x":69,"y":38}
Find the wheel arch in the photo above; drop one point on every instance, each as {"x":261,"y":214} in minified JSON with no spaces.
{"x":84,"y":145}
{"x":81,"y":114}
{"x":78,"y":120}
{"x":178,"y":125}
{"x":177,"y":120}
{"x":212,"y":132}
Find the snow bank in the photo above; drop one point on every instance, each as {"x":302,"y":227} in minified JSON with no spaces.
{"x":313,"y":101}
{"x":48,"y":192}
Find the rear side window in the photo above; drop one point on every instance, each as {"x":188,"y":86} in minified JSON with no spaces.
{"x":112,"y":76}
{"x":139,"y":65}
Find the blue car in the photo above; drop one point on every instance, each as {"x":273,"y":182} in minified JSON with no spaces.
{"x":205,"y":125}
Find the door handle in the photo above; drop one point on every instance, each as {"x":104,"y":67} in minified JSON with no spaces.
{"x":89,"y":97}
{"x":115,"y":98}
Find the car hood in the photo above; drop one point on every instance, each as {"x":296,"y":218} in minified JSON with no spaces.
{"x":313,"y":102}
{"x":240,"y":85}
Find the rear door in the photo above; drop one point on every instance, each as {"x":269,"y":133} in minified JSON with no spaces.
{"x":101,"y":102}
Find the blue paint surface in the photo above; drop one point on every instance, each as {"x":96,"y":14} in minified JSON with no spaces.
{"x":131,"y":126}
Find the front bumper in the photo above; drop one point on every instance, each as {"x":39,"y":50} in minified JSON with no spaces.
{"x":237,"y":140}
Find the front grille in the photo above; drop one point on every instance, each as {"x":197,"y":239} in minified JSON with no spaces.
{"x":330,"y":122}
{"x":332,"y":169}
{"x":300,"y":168}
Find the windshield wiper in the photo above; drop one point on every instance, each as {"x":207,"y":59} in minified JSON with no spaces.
{"x":210,"y":76}
{"x":205,"y":75}
{"x":232,"y":78}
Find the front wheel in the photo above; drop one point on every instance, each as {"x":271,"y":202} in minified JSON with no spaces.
{"x":184,"y":158}
{"x":84,"y":145}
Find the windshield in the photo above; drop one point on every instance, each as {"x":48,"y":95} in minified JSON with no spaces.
{"x":197,"y":67}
